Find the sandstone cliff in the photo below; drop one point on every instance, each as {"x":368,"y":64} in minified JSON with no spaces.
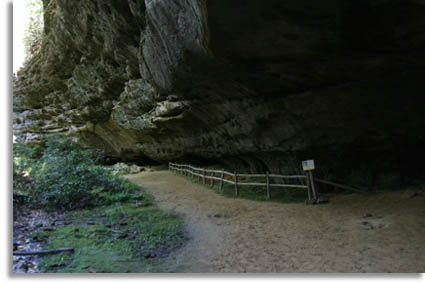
{"x":260,"y":84}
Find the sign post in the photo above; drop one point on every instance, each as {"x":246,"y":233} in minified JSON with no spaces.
{"x":308,"y":167}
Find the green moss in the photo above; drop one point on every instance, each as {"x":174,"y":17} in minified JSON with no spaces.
{"x":119,"y":238}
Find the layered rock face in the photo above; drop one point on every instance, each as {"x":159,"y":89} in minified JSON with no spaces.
{"x":259,"y":84}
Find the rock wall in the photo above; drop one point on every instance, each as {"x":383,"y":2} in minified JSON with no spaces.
{"x":245,"y":82}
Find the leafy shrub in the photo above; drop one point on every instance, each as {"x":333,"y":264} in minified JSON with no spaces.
{"x":25,"y":157}
{"x":24,"y":163}
{"x":69,"y":177}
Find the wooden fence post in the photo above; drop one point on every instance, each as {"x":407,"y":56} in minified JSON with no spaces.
{"x":307,"y":179}
{"x":220,"y":188}
{"x":203,"y":176}
{"x":308,"y":167}
{"x":313,"y":189}
{"x":236,"y":185}
{"x":269,"y":196}
{"x":212,"y":180}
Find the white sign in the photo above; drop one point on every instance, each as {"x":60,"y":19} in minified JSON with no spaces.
{"x":308,"y":165}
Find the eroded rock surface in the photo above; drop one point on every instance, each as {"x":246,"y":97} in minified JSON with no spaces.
{"x":255,"y":83}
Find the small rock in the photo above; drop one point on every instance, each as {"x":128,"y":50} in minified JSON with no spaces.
{"x":57,"y":223}
{"x":321,"y":200}
{"x":56,"y":265}
{"x":367,"y":225}
{"x":23,"y":266}
{"x":49,"y":229}
{"x":16,"y":245}
{"x":120,"y":169}
{"x":35,"y":237}
{"x":147,"y":169}
{"x":415,"y":194}
{"x":135,"y":169}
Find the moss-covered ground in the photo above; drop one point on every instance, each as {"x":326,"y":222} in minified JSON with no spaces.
{"x":119,"y":238}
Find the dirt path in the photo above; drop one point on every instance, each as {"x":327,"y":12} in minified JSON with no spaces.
{"x":375,"y":233}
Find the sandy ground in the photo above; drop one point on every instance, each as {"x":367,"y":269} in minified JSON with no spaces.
{"x":382,"y":232}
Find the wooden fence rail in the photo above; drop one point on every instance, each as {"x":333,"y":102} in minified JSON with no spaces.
{"x":202,"y":173}
{"x":345,"y":187}
{"x":307,"y":180}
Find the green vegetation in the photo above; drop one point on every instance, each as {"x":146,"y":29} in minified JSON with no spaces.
{"x":24,"y":160}
{"x":34,"y":28}
{"x":69,"y":177}
{"x":117,"y":238}
{"x":281,"y":195}
{"x":112,"y":225}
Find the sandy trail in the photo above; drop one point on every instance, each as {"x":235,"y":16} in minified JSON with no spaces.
{"x":375,"y":233}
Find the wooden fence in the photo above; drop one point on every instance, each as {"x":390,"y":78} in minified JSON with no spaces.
{"x":307,"y":181}
{"x":212,"y":176}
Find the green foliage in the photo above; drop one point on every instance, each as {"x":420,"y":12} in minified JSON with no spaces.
{"x":25,"y":156}
{"x":117,"y":238}
{"x":34,"y":30}
{"x":24,"y":163}
{"x":112,"y":226}
{"x":140,"y":146}
{"x":69,"y":177}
